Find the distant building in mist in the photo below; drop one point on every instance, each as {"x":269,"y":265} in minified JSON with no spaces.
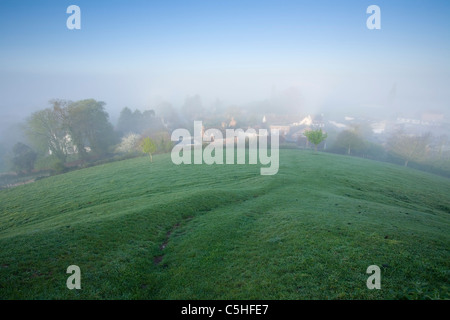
{"x":433,"y":117}
{"x":283,"y":130}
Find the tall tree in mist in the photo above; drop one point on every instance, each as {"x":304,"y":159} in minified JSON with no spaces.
{"x":88,"y":125}
{"x":409,"y":147}
{"x":349,"y":140}
{"x":137,"y":121}
{"x":23,"y":158}
{"x":47,"y":131}
{"x":126,"y":124}
{"x":71,"y":127}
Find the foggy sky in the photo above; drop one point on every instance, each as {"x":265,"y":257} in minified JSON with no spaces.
{"x":138,"y":53}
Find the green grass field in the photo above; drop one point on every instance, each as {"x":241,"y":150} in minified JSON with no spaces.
{"x":141,"y":230}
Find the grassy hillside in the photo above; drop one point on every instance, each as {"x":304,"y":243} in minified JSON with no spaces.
{"x":141,"y":230}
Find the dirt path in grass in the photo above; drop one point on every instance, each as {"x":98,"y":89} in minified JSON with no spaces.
{"x":157,"y":260}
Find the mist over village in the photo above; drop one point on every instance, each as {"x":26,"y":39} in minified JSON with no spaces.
{"x":206,"y":151}
{"x":383,"y":135}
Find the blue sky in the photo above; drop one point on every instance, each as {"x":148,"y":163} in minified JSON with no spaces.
{"x":138,"y":52}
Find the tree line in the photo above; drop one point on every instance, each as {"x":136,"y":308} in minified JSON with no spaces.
{"x":424,"y":150}
{"x":80,"y":132}
{"x":71,"y":127}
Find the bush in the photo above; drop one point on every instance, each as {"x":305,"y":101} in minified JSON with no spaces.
{"x":23,"y":159}
{"x":50,"y":163}
{"x":129,"y":143}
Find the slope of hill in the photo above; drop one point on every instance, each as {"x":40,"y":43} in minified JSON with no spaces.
{"x":141,"y":230}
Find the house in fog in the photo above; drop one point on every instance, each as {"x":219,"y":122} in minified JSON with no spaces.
{"x":283,"y":130}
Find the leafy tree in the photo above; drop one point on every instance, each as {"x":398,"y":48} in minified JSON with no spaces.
{"x":47,"y":131}
{"x":149,"y":122}
{"x":137,"y":121}
{"x":163,"y":142}
{"x":315,"y":137}
{"x":24,"y":158}
{"x":89,"y":127}
{"x":161,"y":139}
{"x":126,"y":124}
{"x":148,"y":146}
{"x":349,"y":140}
{"x":409,"y":147}
{"x":71,"y":127}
